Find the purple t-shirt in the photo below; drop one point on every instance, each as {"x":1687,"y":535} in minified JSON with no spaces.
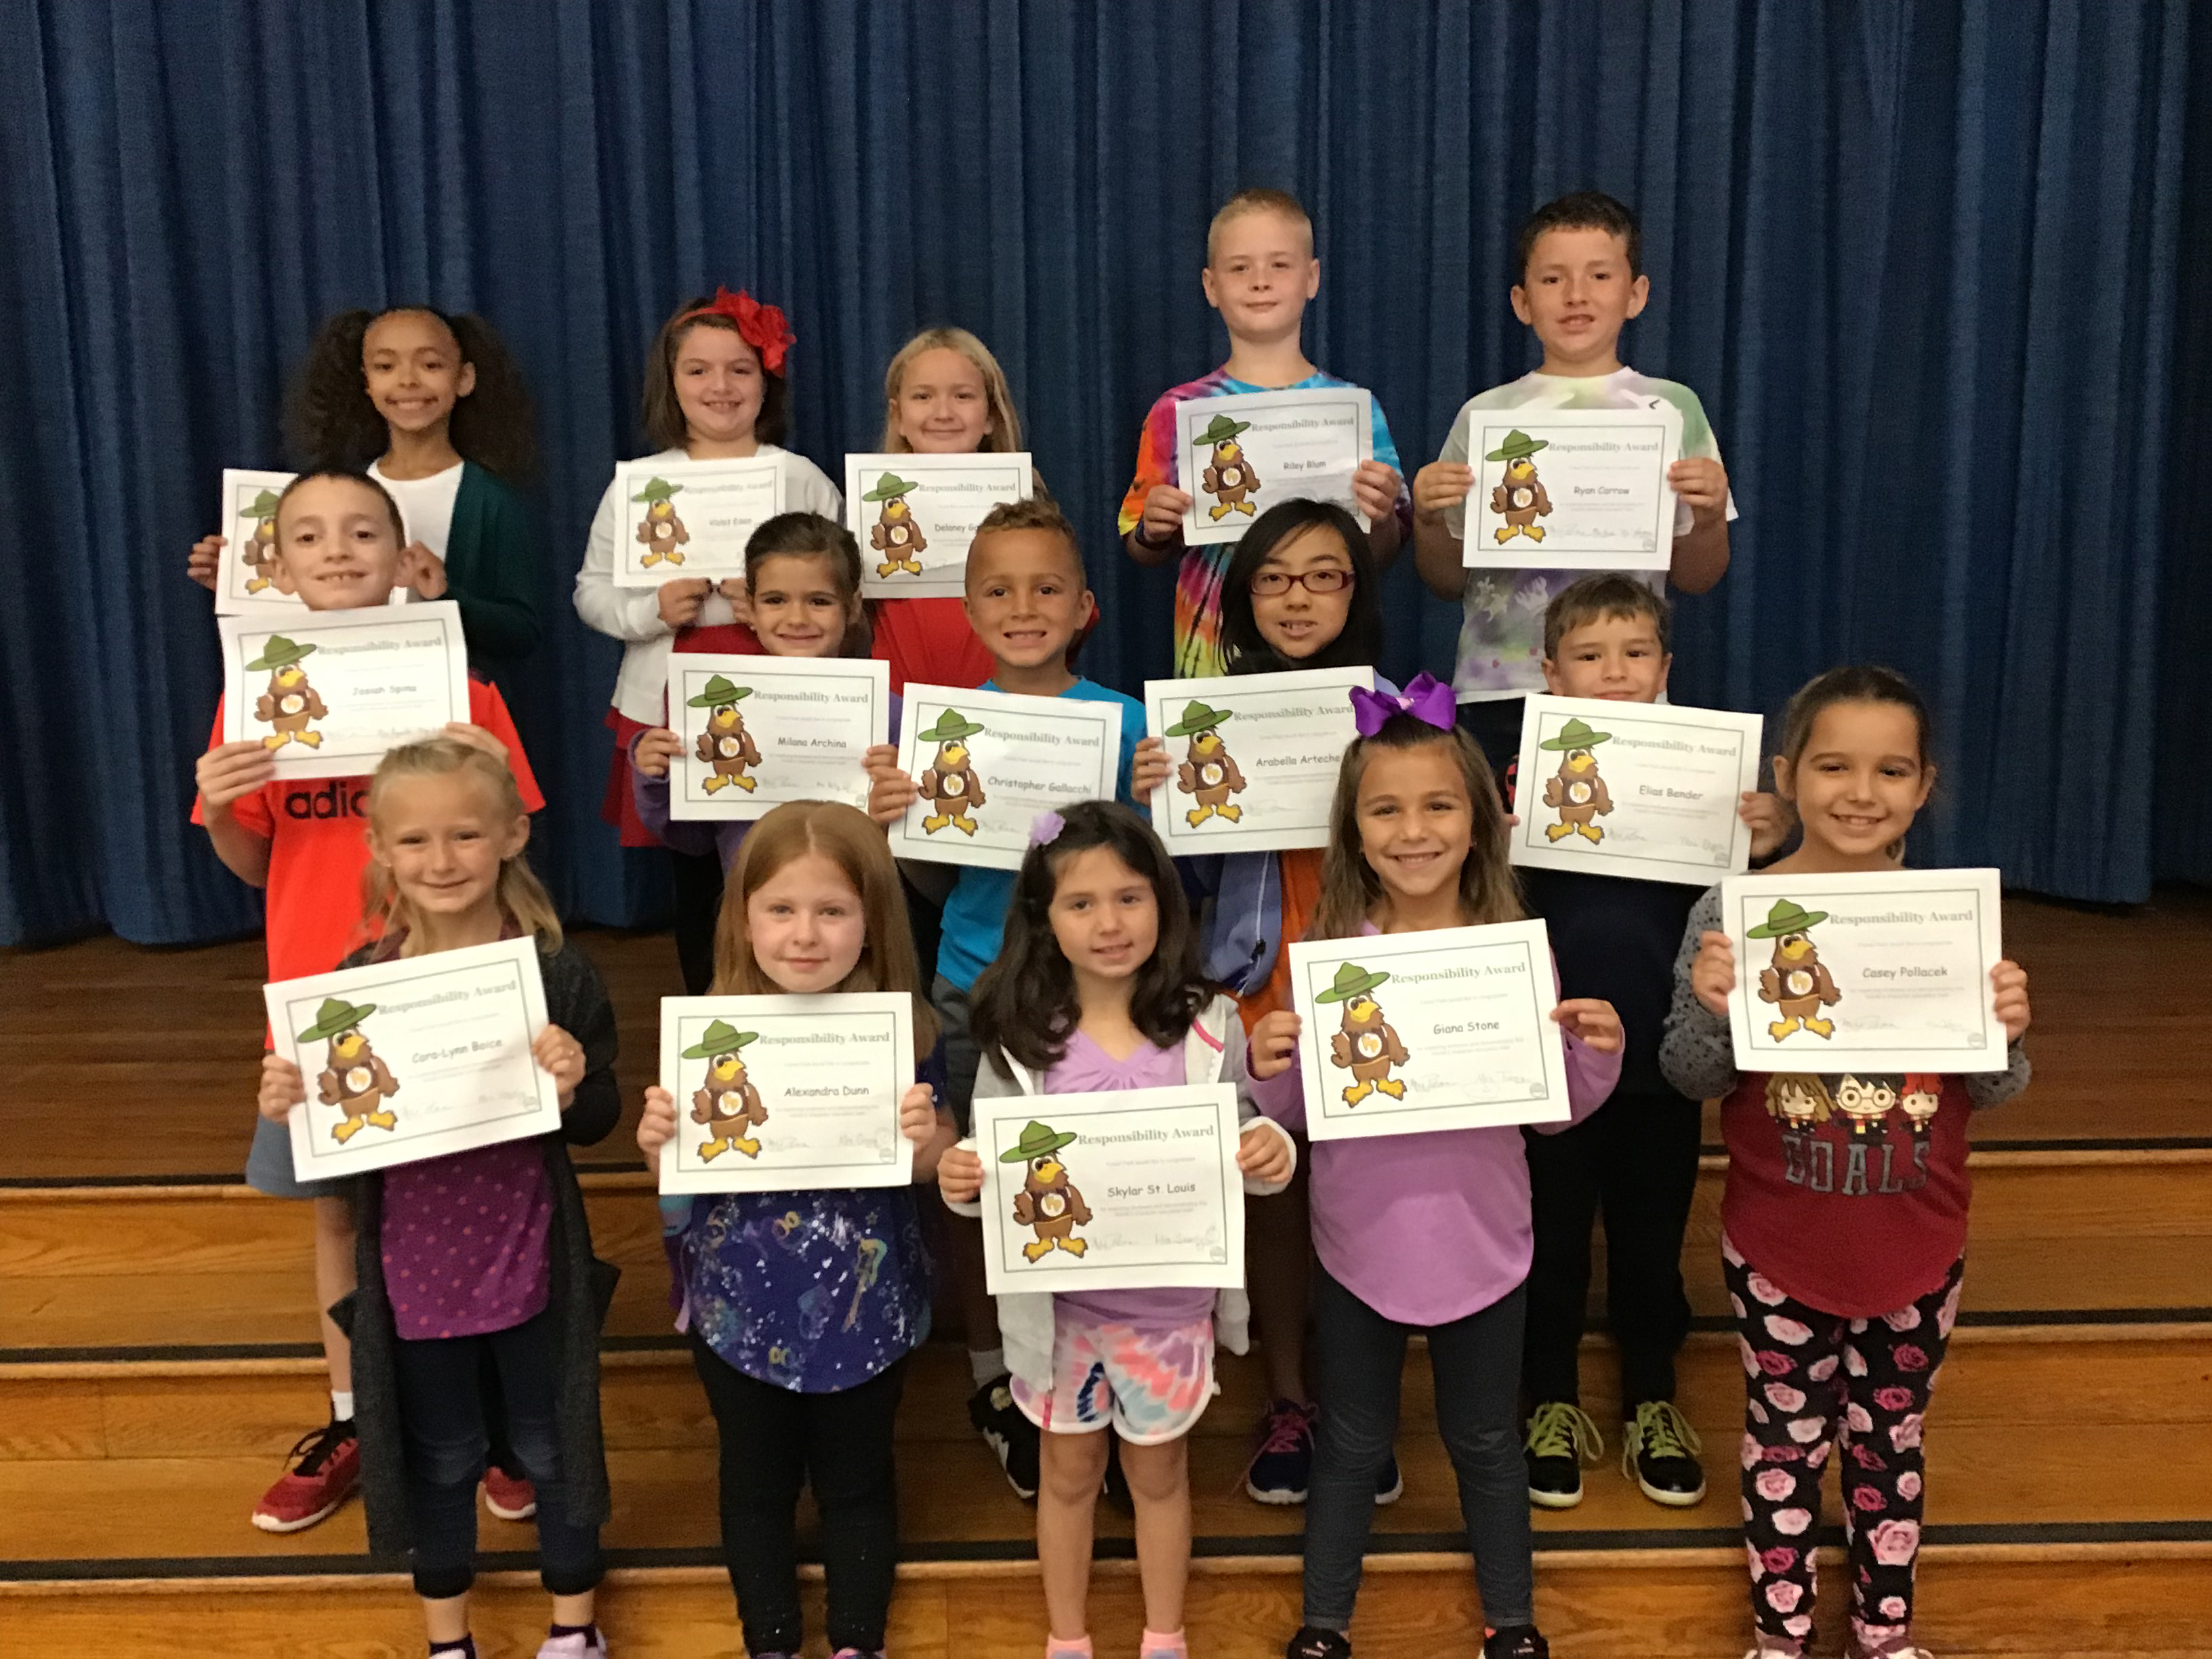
{"x":465,"y":1248}
{"x":1088,"y":1069}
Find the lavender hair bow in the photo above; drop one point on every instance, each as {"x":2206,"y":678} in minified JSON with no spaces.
{"x":1426,"y":699}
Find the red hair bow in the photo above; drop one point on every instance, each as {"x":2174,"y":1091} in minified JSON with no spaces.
{"x":761,"y":327}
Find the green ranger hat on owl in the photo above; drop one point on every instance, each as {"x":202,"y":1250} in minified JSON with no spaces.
{"x":1518,"y":446}
{"x":721,"y":1038}
{"x":1351,"y":981}
{"x":951,"y":726}
{"x":720,"y":690}
{"x":263,"y":506}
{"x":1197,"y":718}
{"x":1575,"y":735}
{"x":657,"y":490}
{"x":889,"y":487}
{"x":280,"y":653}
{"x":336,"y":1015}
{"x":1220,"y":430}
{"x":1036,"y":1141}
{"x":1787,"y":916}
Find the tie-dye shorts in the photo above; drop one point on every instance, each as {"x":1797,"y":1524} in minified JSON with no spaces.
{"x":1150,"y":1384}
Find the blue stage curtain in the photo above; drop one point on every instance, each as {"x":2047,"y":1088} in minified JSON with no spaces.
{"x":1920,"y":261}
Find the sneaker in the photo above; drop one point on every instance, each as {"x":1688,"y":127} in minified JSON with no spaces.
{"x":577,"y":1644}
{"x":1561,"y":1439}
{"x":1012,"y":1437}
{"x":325,"y":1468}
{"x":855,"y":1653}
{"x":510,"y":1497}
{"x":1659,"y":1453}
{"x":1389,"y":1486}
{"x":1312,"y":1643}
{"x":1515,"y":1641}
{"x":1282,"y":1463}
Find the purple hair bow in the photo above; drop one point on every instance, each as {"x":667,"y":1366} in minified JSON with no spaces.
{"x":1426,"y":699}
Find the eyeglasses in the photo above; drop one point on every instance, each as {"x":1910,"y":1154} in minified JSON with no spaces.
{"x":1273,"y":583}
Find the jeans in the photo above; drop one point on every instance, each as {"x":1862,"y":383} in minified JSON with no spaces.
{"x":441,"y":1412}
{"x":1359,"y":1359}
{"x":774,"y":1441}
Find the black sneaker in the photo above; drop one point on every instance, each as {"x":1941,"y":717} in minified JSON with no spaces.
{"x":1012,"y":1437}
{"x":1314,"y":1642}
{"x":1659,"y":1453}
{"x":1515,"y":1641}
{"x":1389,"y":1484}
{"x":1561,"y":1439}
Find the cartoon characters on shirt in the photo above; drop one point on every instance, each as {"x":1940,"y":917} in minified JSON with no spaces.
{"x":355,"y":1081}
{"x":726,"y":1103}
{"x":660,"y":533}
{"x":1048,"y":1204}
{"x":1364,"y":1044}
{"x":289,"y":703}
{"x":897,"y":533}
{"x":725,"y":746}
{"x":1209,"y":775}
{"x":1519,"y":499}
{"x":1794,"y":981}
{"x":1836,"y":1130}
{"x":1577,"y":792}
{"x":950,"y":784}
{"x":1228,"y":476}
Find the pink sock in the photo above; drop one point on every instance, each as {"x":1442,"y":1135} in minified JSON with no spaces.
{"x":1171,"y":1645}
{"x":1066,"y":1647}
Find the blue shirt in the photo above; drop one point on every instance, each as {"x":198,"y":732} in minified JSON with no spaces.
{"x":976,"y":913}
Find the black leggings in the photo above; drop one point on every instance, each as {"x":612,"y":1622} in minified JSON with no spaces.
{"x":1359,"y":1359}
{"x":775,"y":1440}
{"x":441,"y":1415}
{"x":697,"y":879}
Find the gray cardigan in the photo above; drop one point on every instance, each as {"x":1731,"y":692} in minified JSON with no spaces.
{"x":576,"y":1001}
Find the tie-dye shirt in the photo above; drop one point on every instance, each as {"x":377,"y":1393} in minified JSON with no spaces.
{"x":1501,"y":643}
{"x":1198,"y":581}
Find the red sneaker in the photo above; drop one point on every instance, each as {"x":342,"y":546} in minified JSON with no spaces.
{"x":510,"y":1497}
{"x":325,"y":1468}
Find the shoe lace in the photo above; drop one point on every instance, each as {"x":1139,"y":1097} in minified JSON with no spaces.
{"x":1559,"y":1429}
{"x":1659,"y":1430}
{"x":316,"y":1448}
{"x":1287,"y":1425}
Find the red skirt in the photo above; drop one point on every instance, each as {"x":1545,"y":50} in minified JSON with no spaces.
{"x":619,"y":806}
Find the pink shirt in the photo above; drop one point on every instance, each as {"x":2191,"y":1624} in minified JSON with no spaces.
{"x":1426,"y":1228}
{"x":1088,"y":1069}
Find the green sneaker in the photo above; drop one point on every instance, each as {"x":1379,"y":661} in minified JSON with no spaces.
{"x":1659,"y":1452}
{"x":1561,"y":1439}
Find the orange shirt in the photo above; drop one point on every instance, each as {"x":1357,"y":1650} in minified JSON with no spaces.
{"x":318,"y":847}
{"x":1301,"y":868}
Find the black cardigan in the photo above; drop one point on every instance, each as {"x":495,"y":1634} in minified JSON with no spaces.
{"x":576,"y":1001}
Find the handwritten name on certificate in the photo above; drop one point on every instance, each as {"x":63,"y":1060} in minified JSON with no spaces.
{"x":1241,"y":453}
{"x":329,"y":691}
{"x":989,"y":761}
{"x":1407,"y":1033}
{"x":913,"y":516}
{"x":1572,"y":488}
{"x":1877,"y":973}
{"x":415,"y":1058}
{"x":1254,"y":758}
{"x":1132,"y":1190}
{"x":681,"y":518}
{"x":761,"y":731}
{"x":1649,"y":790}
{"x":785,"y":1092}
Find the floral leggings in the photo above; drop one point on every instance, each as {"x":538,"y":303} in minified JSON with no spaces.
{"x":1814,"y":1381}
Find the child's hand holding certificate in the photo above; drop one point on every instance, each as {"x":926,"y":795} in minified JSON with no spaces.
{"x":1408,"y":1033}
{"x":1888,"y":972}
{"x":329,"y":691}
{"x":760,"y":730}
{"x":787,"y":1092}
{"x":1131,"y":1190}
{"x":1254,"y":757}
{"x":414,"y":1057}
{"x":987,"y":763}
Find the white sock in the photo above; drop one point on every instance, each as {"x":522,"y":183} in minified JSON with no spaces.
{"x":987,"y":1364}
{"x":342,"y":1405}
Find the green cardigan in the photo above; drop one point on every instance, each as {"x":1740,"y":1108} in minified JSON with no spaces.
{"x":491,"y":567}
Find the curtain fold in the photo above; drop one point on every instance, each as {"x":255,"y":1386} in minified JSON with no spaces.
{"x":1922,"y":262}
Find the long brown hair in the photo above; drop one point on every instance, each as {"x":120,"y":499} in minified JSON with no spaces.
{"x":1350,"y":889}
{"x":522,"y":897}
{"x":1005,"y":436}
{"x":665,"y":426}
{"x":848,"y":839}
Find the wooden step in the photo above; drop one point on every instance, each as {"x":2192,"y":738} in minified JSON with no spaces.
{"x":1975,"y":1601}
{"x":2097,"y":1232}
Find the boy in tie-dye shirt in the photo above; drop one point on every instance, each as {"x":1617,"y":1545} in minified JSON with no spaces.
{"x":1259,"y":272}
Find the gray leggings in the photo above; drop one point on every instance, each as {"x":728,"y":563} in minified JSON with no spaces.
{"x":1361,"y":1358}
